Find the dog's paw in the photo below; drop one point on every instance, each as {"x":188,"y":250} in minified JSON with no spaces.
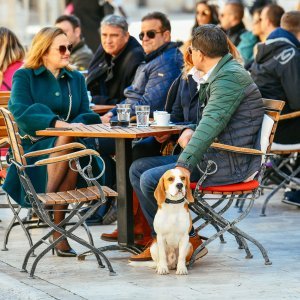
{"x":162,"y":269}
{"x":181,"y":270}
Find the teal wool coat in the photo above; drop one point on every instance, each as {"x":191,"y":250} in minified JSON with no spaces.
{"x":37,"y":100}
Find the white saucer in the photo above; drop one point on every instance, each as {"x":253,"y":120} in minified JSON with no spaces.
{"x":170,"y":125}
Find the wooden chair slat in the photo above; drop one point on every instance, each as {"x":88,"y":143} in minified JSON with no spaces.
{"x":77,"y":195}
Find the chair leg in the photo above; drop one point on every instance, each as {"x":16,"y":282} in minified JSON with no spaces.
{"x":13,"y":223}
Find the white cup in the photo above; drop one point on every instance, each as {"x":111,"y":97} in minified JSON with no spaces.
{"x":163,"y":119}
{"x":157,"y":112}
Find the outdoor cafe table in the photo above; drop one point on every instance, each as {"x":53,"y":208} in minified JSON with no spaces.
{"x":123,"y":137}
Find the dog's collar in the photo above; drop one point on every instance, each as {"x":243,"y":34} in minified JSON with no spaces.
{"x":169,"y":201}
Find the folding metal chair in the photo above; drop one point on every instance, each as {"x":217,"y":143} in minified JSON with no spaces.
{"x":212,"y":202}
{"x":43,"y":203}
{"x":282,"y":167}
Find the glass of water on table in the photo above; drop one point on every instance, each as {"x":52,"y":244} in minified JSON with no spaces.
{"x":142,"y":113}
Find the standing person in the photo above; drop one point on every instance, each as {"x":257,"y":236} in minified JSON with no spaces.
{"x":11,"y":57}
{"x":115,"y":62}
{"x":228,"y":100}
{"x":65,"y":104}
{"x":90,"y":13}
{"x":162,"y":65}
{"x":81,"y":54}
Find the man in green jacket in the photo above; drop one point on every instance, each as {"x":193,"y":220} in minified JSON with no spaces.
{"x":230,"y":111}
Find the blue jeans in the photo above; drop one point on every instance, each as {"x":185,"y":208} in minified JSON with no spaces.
{"x":144,"y":175}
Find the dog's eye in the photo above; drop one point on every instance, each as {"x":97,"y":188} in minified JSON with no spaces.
{"x":171,"y":179}
{"x":182,"y":178}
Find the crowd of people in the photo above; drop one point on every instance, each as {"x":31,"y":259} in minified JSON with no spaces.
{"x":213,"y":83}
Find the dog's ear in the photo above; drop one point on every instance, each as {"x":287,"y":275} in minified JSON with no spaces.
{"x":160,"y":193}
{"x":189,"y":195}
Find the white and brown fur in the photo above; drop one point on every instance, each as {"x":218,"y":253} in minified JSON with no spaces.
{"x":172,"y":224}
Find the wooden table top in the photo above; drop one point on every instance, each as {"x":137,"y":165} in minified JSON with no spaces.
{"x":105,"y":131}
{"x":101,"y":109}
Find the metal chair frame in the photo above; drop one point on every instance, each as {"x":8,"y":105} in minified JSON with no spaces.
{"x":40,"y":203}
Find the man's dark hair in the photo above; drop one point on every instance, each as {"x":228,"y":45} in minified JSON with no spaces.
{"x":210,"y":40}
{"x":274,"y":14}
{"x":165,"y":23}
{"x":75,"y":22}
{"x":237,"y":10}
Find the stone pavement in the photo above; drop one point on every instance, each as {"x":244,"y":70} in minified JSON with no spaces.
{"x":223,"y":274}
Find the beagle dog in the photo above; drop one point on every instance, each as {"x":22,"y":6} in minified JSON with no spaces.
{"x":172,"y":223}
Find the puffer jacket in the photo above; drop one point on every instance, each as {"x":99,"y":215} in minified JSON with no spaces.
{"x":232,"y":114}
{"x":81,"y":56}
{"x":154,"y":77}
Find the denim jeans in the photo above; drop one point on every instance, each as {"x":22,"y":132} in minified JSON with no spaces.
{"x":144,"y":175}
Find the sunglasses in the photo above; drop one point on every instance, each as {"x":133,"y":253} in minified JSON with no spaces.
{"x":204,"y":13}
{"x":150,"y":34}
{"x":63,"y":49}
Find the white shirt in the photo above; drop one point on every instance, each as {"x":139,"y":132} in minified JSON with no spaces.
{"x":198,"y":77}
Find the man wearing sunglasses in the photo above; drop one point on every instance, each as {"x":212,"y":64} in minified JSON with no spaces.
{"x":115,"y":62}
{"x":81,"y":54}
{"x":161,"y":67}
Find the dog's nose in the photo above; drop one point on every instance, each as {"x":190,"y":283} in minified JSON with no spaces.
{"x":179,"y":186}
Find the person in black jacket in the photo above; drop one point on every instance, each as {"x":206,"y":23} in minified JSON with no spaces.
{"x":276,"y":73}
{"x":115,"y":62}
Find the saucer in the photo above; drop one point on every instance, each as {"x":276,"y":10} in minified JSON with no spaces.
{"x":170,"y":125}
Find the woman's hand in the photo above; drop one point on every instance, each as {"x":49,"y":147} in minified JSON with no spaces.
{"x":106,"y":118}
{"x":185,"y":137}
{"x":63,"y":124}
{"x":162,"y":138}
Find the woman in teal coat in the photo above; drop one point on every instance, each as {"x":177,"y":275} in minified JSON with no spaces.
{"x":48,"y":93}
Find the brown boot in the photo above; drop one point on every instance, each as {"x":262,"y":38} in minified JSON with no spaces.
{"x":196,"y":242}
{"x":142,"y":231}
{"x":143,"y":256}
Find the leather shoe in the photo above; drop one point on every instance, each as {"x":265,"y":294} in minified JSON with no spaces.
{"x":113,"y":237}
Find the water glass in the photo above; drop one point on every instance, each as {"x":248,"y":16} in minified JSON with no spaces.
{"x":142,"y":115}
{"x":123,"y":113}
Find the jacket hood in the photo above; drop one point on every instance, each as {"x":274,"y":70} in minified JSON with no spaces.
{"x":271,"y":47}
{"x":281,"y":33}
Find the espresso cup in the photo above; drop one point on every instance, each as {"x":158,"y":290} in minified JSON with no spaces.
{"x":157,"y":112}
{"x":162,"y":119}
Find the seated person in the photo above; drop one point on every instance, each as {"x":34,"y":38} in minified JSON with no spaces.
{"x":162,"y":65}
{"x":115,"y":62}
{"x":65,"y":104}
{"x":81,"y":54}
{"x":228,"y":100}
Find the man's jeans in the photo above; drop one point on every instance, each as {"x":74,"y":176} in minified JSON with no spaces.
{"x":144,"y":176}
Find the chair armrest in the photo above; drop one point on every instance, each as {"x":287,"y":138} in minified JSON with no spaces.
{"x":289,"y":116}
{"x":55,"y":149}
{"x":4,"y":142}
{"x":66,"y":157}
{"x":236,"y":149}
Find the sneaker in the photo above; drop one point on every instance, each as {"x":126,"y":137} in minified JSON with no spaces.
{"x":292,"y":198}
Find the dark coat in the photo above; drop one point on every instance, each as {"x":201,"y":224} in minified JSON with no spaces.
{"x":234,"y":33}
{"x":276,"y":71}
{"x":154,"y":77}
{"x":232,"y":114}
{"x":108,"y":77}
{"x":37,"y":100}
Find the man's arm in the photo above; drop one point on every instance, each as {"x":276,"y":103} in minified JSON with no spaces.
{"x":216,"y":115}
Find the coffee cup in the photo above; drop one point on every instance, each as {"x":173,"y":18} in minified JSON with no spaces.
{"x":162,"y":119}
{"x":157,"y":112}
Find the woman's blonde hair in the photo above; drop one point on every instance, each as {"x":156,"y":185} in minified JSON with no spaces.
{"x":40,"y":45}
{"x":11,"y":50}
{"x":188,"y":62}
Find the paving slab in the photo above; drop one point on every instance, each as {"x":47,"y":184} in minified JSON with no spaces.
{"x":223,"y":274}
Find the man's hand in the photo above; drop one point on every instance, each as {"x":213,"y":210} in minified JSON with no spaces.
{"x":162,"y":138}
{"x":185,"y":137}
{"x":185,"y":171}
{"x":106,"y":118}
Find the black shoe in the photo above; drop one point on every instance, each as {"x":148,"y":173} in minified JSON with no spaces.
{"x":62,"y":253}
{"x":110,"y":216}
{"x":292,"y":198}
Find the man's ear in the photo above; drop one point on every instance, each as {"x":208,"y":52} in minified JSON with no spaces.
{"x":77,"y":31}
{"x":167,"y":36}
{"x":160,"y":193}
